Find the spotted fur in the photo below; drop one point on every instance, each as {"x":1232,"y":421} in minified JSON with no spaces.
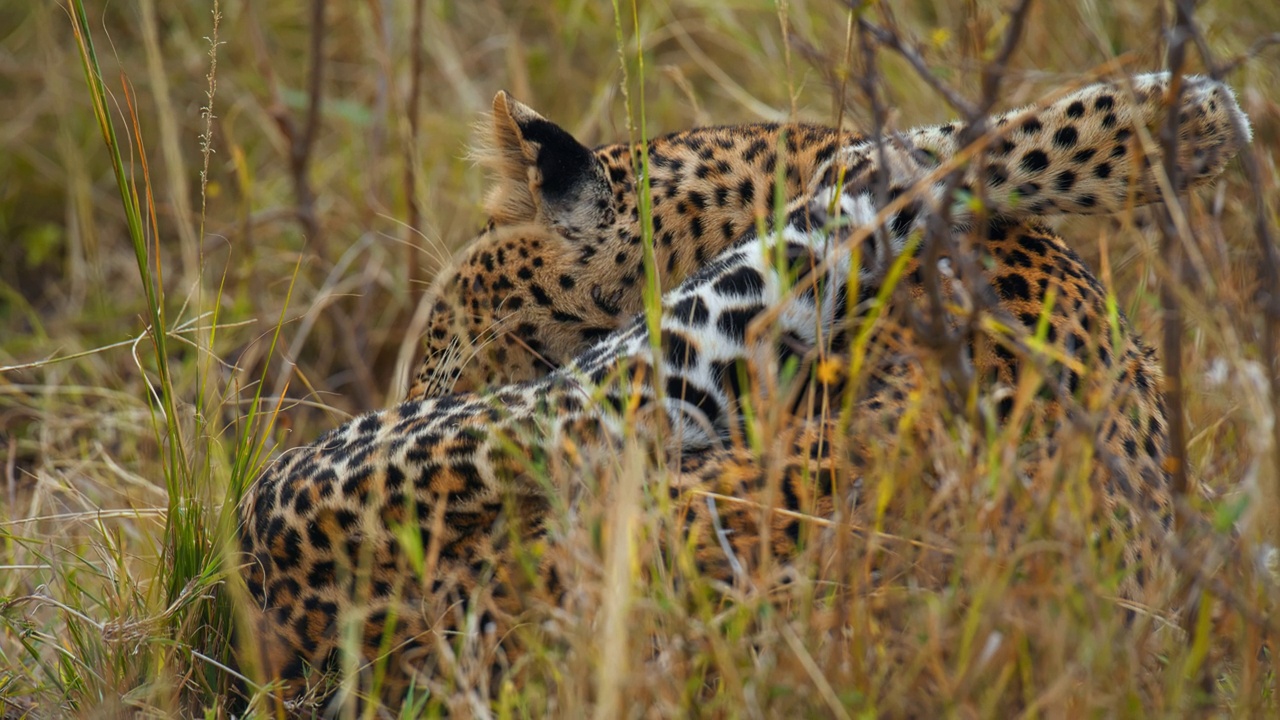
{"x":457,"y":466}
{"x":325,"y":528}
{"x":560,"y":262}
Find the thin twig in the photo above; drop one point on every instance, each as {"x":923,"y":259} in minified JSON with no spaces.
{"x":11,"y":480}
{"x":302,"y":144}
{"x":939,"y":241}
{"x":938,"y":232}
{"x":966,"y":259}
{"x":871,"y":82}
{"x":412,"y":223}
{"x":993,"y":73}
{"x":891,"y":40}
{"x":1254,"y":50}
{"x":1170,"y":250}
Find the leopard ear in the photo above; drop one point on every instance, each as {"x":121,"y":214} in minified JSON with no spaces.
{"x":543,"y":173}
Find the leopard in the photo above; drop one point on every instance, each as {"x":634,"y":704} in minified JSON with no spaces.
{"x":561,"y":261}
{"x":326,"y":527}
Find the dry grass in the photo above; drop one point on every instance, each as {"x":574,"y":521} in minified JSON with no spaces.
{"x":289,"y":278}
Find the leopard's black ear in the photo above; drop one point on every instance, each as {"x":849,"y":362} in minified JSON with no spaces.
{"x":543,"y":174}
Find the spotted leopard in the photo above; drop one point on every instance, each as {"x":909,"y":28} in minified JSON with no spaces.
{"x":560,"y":263}
{"x":324,"y":526}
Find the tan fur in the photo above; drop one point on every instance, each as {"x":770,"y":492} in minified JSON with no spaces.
{"x":533,"y":289}
{"x":323,"y":528}
{"x":509,"y":160}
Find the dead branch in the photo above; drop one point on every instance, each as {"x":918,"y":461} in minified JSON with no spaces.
{"x":414,"y":220}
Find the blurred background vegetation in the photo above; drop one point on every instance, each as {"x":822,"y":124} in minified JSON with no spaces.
{"x":337,"y":185}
